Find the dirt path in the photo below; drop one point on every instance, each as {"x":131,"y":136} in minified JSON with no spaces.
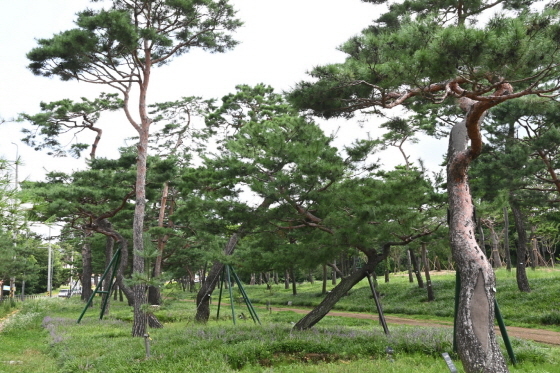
{"x":537,"y":335}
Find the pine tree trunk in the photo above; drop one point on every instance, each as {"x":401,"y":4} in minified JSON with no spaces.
{"x":333,"y":297}
{"x":86,"y":267}
{"x":203,"y":296}
{"x":506,"y":240}
{"x":140,"y":321}
{"x":416,"y":269}
{"x":286,"y":279}
{"x":426,"y":262}
{"x":481,"y":238}
{"x":521,"y":268}
{"x":410,"y":277}
{"x":294,"y":285}
{"x":324,"y":288}
{"x":476,"y":339}
{"x":154,"y":292}
{"x":495,"y":252}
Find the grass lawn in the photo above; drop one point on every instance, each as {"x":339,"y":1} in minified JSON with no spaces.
{"x":538,"y":309}
{"x":44,"y":336}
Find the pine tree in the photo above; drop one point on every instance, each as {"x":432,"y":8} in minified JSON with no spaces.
{"x":433,"y":58}
{"x":119,"y":47}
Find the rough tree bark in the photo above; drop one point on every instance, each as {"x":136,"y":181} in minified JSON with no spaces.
{"x":476,"y":339}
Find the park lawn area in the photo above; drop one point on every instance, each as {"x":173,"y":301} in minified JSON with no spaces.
{"x":44,"y":337}
{"x":49,"y":332}
{"x":538,"y":309}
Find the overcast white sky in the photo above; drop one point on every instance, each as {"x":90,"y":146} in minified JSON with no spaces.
{"x":280,"y":41}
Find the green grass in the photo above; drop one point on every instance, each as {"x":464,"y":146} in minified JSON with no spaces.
{"x":44,"y":336}
{"x":7,"y":306}
{"x":537,"y":309}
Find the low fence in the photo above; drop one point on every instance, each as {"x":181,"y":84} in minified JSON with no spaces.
{"x":21,"y":298}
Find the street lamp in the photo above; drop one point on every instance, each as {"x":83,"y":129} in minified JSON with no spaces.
{"x":49,"y":266}
{"x":13,"y":279}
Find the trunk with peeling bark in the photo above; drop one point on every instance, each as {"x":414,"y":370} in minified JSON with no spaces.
{"x":203,"y":296}
{"x":521,"y":268}
{"x":476,"y":339}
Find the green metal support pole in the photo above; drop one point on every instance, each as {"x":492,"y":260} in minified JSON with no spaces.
{"x":115,"y":263}
{"x":456,"y":311}
{"x":232,"y":301}
{"x":503,"y":330}
{"x":111,"y":263}
{"x":86,"y":307}
{"x":252,"y":311}
{"x":378,"y":305}
{"x":220,"y":296}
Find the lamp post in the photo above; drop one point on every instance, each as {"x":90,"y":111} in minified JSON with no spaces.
{"x":13,"y":279}
{"x":49,"y":266}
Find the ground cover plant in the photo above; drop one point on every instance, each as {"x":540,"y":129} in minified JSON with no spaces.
{"x":44,"y":337}
{"x":537,"y":309}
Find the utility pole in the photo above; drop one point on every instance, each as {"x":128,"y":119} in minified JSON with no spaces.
{"x":13,"y":279}
{"x":49,"y":267}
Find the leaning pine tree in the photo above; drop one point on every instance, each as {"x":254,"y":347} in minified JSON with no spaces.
{"x":118,"y":47}
{"x":433,"y":58}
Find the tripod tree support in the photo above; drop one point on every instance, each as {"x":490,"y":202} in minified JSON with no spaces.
{"x":378,"y":305}
{"x":227,"y":273}
{"x":113,"y":265}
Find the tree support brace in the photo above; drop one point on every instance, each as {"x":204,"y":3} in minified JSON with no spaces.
{"x":378,"y":305}
{"x":113,"y":264}
{"x":497,"y":313}
{"x":227,"y":273}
